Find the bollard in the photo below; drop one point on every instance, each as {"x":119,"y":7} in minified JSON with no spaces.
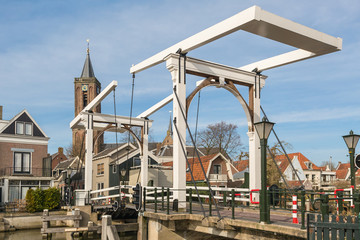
{"x":302,"y":209}
{"x":168,"y":201}
{"x":162,"y":198}
{"x":190,"y":200}
{"x":155,"y":195}
{"x":294,"y":207}
{"x":324,"y":206}
{"x":233,"y":204}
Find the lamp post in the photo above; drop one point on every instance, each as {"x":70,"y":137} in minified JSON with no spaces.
{"x":263,"y":129}
{"x":351,"y":141}
{"x":123,"y":173}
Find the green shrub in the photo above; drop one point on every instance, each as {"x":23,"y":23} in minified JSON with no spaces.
{"x":30,"y":201}
{"x":38,"y":200}
{"x":51,"y":198}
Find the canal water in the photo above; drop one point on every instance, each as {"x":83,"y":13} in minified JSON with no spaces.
{"x":35,"y":234}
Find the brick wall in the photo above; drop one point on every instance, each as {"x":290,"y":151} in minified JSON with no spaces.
{"x":7,"y":155}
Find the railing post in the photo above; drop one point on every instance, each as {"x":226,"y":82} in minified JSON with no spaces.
{"x":357,"y":203}
{"x":210,"y":203}
{"x":273,"y":198}
{"x":190,"y":200}
{"x":285,"y":196}
{"x":224,"y":198}
{"x":302,"y":209}
{"x":144,"y":199}
{"x":162,"y":198}
{"x":168,"y":201}
{"x":339,"y":195}
{"x":233,"y":204}
{"x":324,"y":206}
{"x":155,"y":195}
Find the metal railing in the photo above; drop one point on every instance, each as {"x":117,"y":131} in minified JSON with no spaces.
{"x":160,"y":199}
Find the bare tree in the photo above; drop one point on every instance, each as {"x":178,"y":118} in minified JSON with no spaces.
{"x":124,"y":137}
{"x":273,"y":174}
{"x":222,"y":136}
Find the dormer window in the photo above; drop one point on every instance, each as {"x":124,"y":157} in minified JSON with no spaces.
{"x":24,"y":128}
{"x":20,"y":128}
{"x":29,"y":129}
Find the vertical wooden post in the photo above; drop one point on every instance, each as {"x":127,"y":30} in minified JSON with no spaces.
{"x":77,"y":221}
{"x":105,"y":222}
{"x":45,"y":223}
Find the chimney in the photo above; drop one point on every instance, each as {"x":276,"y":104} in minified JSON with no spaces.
{"x":1,"y":110}
{"x":60,"y":150}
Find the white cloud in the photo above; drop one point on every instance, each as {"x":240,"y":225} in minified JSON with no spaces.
{"x":316,"y":115}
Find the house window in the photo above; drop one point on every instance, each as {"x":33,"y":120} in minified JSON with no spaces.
{"x":217,"y":169}
{"x":85,"y":99}
{"x":28,"y":129}
{"x":99,"y":187}
{"x":19,"y":128}
{"x":313,"y":177}
{"x":293,"y":175}
{"x":22,"y":162}
{"x":100,"y":169}
{"x":114,"y":168}
{"x":307,"y":176}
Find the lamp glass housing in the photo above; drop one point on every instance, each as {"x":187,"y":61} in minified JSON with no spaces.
{"x":123,"y":172}
{"x":351,"y":140}
{"x":264,"y":128}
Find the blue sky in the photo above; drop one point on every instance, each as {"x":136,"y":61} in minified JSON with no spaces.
{"x":43,"y":47}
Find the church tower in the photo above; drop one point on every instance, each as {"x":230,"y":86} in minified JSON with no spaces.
{"x":86,"y":88}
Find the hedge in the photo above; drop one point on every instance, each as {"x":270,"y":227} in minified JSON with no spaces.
{"x":37,"y":200}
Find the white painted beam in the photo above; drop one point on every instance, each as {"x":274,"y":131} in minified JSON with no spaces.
{"x":156,"y":107}
{"x":259,"y":22}
{"x":208,"y":35}
{"x":210,"y":69}
{"x":100,"y":121}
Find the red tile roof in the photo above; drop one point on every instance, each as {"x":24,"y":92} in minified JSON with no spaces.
{"x":196,"y":167}
{"x":341,"y":173}
{"x":241,"y":165}
{"x":302,"y":160}
{"x":343,"y":166}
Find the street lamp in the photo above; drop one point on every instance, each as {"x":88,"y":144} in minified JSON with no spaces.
{"x":263,"y":129}
{"x":123,"y":172}
{"x":351,"y":141}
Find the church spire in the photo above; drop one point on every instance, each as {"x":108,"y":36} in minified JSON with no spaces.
{"x":169,"y":131}
{"x":87,"y":71}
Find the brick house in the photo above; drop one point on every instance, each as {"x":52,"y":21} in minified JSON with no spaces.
{"x":58,"y":157}
{"x":23,"y":155}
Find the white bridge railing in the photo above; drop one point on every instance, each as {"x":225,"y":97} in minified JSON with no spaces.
{"x":241,"y":194}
